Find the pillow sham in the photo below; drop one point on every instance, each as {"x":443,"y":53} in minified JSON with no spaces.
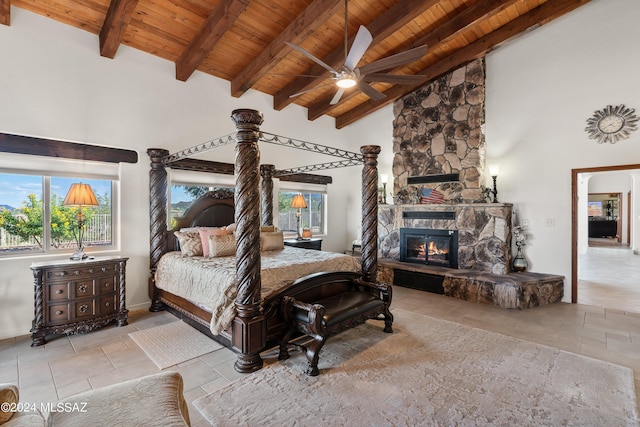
{"x":271,"y":241}
{"x":205,"y":232}
{"x":221,"y":245}
{"x":190,"y":242}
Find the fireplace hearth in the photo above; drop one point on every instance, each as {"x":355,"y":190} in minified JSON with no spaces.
{"x":429,"y":246}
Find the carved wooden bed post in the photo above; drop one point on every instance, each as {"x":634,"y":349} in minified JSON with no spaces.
{"x":249,"y":328}
{"x":158,"y":218}
{"x":370,"y":212}
{"x":267,"y":172}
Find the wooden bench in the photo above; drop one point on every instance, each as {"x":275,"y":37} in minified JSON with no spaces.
{"x":323,"y":304}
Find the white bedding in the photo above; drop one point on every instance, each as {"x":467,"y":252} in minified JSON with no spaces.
{"x":209,"y":282}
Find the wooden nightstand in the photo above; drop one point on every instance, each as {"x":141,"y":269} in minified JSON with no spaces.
{"x":312,"y":243}
{"x":77,"y":296}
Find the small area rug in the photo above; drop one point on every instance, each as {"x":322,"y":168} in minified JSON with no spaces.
{"x":429,"y":372}
{"x":173,"y":343}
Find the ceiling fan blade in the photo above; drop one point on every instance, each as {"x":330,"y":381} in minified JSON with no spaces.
{"x":337,"y":96}
{"x":400,"y":79}
{"x":358,"y":48}
{"x":396,"y":60}
{"x":312,"y":57}
{"x":313,"y":88}
{"x":370,"y":91}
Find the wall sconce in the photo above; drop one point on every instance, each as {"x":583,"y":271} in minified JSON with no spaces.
{"x":80,"y":195}
{"x":384,"y":178}
{"x":299,"y":203}
{"x":494,"y":170}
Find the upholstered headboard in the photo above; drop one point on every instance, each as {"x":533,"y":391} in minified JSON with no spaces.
{"x":212,"y":209}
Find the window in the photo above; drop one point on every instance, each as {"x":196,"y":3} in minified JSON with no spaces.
{"x":33,"y":218}
{"x":183,"y":195}
{"x":312,"y":217}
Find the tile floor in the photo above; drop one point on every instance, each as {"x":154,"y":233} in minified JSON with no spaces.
{"x":68,"y":365}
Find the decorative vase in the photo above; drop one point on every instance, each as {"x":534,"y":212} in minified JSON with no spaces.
{"x":519,"y":261}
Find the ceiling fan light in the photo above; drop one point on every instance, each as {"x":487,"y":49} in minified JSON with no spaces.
{"x":346,"y":83}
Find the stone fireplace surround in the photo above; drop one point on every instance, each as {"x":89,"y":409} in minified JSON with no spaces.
{"x":484,"y":232}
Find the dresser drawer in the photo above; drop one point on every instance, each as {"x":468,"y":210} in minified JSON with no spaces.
{"x":83,"y":309}
{"x":58,"y":313}
{"x":83,"y":288}
{"x":79,"y":272}
{"x":58,"y":292}
{"x":107,"y":305}
{"x":106,"y":284}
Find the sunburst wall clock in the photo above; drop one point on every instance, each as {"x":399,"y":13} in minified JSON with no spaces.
{"x":612,"y":124}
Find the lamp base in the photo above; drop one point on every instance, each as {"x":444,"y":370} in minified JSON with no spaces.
{"x":78,"y":255}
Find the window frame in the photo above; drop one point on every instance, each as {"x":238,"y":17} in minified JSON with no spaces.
{"x":299,"y":187}
{"x":47,"y":168}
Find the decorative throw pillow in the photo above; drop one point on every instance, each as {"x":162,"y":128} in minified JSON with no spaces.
{"x":190,"y":242}
{"x":268,"y":228}
{"x":222,"y":245}
{"x":271,"y":241}
{"x":8,"y":395}
{"x":205,"y":232}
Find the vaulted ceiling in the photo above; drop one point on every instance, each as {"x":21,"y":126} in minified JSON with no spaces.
{"x":244,"y":41}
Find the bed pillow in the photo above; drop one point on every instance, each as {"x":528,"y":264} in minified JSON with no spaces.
{"x":190,"y":242}
{"x":221,"y":245}
{"x":205,"y":232}
{"x":231,"y":228}
{"x":271,"y":241}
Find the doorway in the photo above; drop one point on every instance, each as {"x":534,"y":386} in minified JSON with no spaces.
{"x":607,"y":273}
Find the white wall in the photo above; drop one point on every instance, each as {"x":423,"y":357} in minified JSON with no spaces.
{"x":54,"y":84}
{"x":541,"y":89}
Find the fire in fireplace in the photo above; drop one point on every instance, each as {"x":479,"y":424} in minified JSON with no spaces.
{"x":428,"y":246}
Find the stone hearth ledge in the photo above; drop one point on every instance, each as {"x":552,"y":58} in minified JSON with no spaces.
{"x":512,"y":290}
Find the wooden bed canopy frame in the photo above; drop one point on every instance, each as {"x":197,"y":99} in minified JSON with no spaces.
{"x":250,"y":332}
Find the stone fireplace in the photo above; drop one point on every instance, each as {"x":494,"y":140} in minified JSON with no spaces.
{"x":439,"y":152}
{"x":439,"y":176}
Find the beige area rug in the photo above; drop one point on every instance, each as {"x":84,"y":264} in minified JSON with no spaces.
{"x":429,"y":372}
{"x":173,"y":343}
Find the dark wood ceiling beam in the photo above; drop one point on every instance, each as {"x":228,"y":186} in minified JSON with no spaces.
{"x":536,"y":17}
{"x":19,"y":144}
{"x":115,"y":23}
{"x":384,"y":25}
{"x":305,"y":24}
{"x":443,"y":33}
{"x":5,"y":12}
{"x":218,"y":22}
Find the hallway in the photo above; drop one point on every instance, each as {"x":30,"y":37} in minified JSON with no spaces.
{"x":609,"y":276}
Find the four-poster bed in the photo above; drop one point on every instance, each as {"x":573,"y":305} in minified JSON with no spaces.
{"x":256,"y":319}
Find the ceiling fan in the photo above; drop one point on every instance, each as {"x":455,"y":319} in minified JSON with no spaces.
{"x":351,"y":75}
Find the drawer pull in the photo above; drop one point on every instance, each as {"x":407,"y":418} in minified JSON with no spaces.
{"x":76,"y":272}
{"x":107,"y":304}
{"x":83,"y":288}
{"x":59,"y":291}
{"x":59,"y":312}
{"x":107,"y":285}
{"x":83,"y":308}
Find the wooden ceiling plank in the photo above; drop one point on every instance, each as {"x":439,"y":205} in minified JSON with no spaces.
{"x":219,"y":21}
{"x":389,"y":22}
{"x":118,"y":17}
{"x":306,"y":23}
{"x":19,"y":144}
{"x":441,"y":35}
{"x":536,"y":17}
{"x":5,"y":12}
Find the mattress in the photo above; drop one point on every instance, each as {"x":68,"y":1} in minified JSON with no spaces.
{"x":210,"y":281}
